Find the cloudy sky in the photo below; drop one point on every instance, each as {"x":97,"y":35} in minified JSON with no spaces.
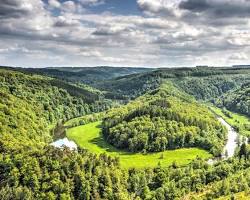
{"x":150,"y":33}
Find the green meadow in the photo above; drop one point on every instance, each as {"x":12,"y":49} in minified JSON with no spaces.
{"x":89,"y":137}
{"x":235,"y":120}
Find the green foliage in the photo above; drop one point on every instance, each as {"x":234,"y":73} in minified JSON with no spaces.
{"x":89,"y":137}
{"x":87,"y":75}
{"x":86,"y":119}
{"x":238,"y":121}
{"x":211,"y":87}
{"x":31,"y":104}
{"x":50,"y":173}
{"x":204,"y":83}
{"x":237,"y":100}
{"x":164,"y":119}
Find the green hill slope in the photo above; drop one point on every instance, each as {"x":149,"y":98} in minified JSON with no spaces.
{"x":163,"y":119}
{"x":30,"y":104}
{"x":237,"y":100}
{"x":203,"y":83}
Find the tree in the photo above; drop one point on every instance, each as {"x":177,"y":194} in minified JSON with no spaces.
{"x":243,"y":151}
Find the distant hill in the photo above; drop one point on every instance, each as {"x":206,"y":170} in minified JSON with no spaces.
{"x":204,"y":83}
{"x":241,"y":66}
{"x":87,"y":75}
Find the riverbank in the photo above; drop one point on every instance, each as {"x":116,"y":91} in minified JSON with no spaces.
{"x":238,"y":121}
{"x":234,"y":137}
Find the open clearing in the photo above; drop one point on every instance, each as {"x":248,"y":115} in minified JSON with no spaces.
{"x":89,"y":137}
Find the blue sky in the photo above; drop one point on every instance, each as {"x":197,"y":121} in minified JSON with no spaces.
{"x":147,"y":33}
{"x":125,"y":7}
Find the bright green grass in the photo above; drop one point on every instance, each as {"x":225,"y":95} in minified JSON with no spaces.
{"x":89,"y":137}
{"x":236,"y":120}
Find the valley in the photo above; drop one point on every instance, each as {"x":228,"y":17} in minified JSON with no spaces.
{"x":139,"y":133}
{"x":124,"y":100}
{"x":90,"y":137}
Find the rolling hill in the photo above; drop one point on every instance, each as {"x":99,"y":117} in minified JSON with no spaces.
{"x":161,"y":110}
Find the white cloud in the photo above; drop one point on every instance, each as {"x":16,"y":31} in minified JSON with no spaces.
{"x":158,"y":7}
{"x":92,"y":2}
{"x":239,"y":56}
{"x":31,"y":31}
{"x":63,"y":21}
{"x":90,"y":53}
{"x":69,"y":6}
{"x":54,"y":3}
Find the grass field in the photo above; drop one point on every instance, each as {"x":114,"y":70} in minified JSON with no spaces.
{"x":235,"y":120}
{"x":89,"y":137}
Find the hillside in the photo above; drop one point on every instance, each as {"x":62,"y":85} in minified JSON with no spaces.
{"x":237,"y":100}
{"x":203,"y":83}
{"x":161,"y":125}
{"x":30,"y":104}
{"x":164,"y":119}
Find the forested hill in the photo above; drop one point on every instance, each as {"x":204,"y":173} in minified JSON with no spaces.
{"x":203,"y":83}
{"x":237,"y":100}
{"x":86,"y":75}
{"x":166,"y":118}
{"x":30,"y":104}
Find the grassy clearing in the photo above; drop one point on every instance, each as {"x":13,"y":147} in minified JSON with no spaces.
{"x":236,"y":120}
{"x":89,"y":137}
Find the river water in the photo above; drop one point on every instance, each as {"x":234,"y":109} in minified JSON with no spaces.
{"x":231,"y":144}
{"x":65,"y":142}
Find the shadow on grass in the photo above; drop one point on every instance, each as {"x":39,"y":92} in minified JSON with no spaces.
{"x":100,"y":142}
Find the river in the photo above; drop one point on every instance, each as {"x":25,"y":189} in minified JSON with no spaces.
{"x":228,"y":152}
{"x":231,"y":144}
{"x":65,"y":142}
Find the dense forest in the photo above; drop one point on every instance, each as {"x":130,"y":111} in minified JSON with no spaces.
{"x":30,"y":104}
{"x":60,"y":174}
{"x":165,"y":113}
{"x":237,"y":100}
{"x":204,"y":83}
{"x":163,"y":119}
{"x":211,"y":87}
{"x":86,"y":75}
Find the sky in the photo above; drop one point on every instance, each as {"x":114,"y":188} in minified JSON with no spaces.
{"x":139,"y":33}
